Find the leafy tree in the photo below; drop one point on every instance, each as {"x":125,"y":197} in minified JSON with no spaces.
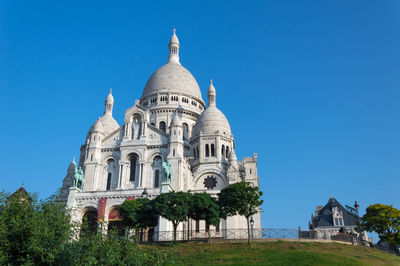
{"x":32,"y":231}
{"x":173,"y":206}
{"x":139,"y":214}
{"x":240,"y":199}
{"x":385,"y":221}
{"x":204,"y":207}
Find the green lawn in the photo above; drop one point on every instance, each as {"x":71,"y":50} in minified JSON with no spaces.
{"x":276,"y":253}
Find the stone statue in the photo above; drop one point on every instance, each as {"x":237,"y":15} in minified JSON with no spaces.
{"x":78,"y":178}
{"x":136,"y":129}
{"x":168,"y":172}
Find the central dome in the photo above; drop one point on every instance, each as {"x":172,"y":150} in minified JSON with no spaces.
{"x":172,"y":77}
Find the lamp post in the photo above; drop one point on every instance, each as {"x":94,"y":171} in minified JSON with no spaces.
{"x":251,"y":225}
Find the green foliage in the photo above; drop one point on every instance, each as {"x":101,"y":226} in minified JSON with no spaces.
{"x":129,"y":210}
{"x":385,"y":221}
{"x":108,"y":249}
{"x":32,"y":231}
{"x":204,"y":207}
{"x":240,"y":199}
{"x":173,"y":206}
{"x":139,"y":213}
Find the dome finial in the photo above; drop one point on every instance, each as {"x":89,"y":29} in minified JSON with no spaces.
{"x":109,"y":104}
{"x":173,"y":48}
{"x":211,"y":94}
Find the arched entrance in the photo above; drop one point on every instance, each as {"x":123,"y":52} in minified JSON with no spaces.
{"x":115,"y":222}
{"x":89,"y":222}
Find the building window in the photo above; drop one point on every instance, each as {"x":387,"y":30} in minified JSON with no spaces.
{"x":227,"y":152}
{"x":198,"y":153}
{"x":223,"y":150}
{"x":157,"y":178}
{"x":194,"y":153}
{"x":133,"y":163}
{"x":185,"y":130}
{"x":212,"y":150}
{"x":108,"y":187}
{"x":207,"y":151}
{"x":163,"y":126}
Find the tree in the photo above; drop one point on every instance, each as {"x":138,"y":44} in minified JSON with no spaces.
{"x":32,"y":231}
{"x":173,"y":206}
{"x":240,"y":199}
{"x":138,"y":214}
{"x":204,"y":207}
{"x":385,"y":221}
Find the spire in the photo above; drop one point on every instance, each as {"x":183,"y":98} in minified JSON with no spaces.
{"x":173,"y":49}
{"x":109,"y":104}
{"x":211,"y":94}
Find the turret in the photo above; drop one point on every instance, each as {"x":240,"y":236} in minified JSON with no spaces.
{"x":211,"y":95}
{"x":176,"y":138}
{"x":173,"y":49}
{"x":109,"y":104}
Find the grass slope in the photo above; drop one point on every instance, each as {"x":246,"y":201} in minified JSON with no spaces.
{"x":277,"y":253}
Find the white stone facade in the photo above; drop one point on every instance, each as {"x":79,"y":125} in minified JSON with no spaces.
{"x":170,"y":123}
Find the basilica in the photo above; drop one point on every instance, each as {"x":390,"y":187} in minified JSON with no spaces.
{"x":170,"y":140}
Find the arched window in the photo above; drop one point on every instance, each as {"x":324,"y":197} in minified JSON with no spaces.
{"x":133,"y":162}
{"x":194,"y":153}
{"x":108,"y":181}
{"x":212,"y":150}
{"x":185,"y":130}
{"x":157,"y":178}
{"x":223,"y":150}
{"x":163,"y":126}
{"x":227,"y":152}
{"x":157,"y":170}
{"x":207,"y":151}
{"x":198,"y":153}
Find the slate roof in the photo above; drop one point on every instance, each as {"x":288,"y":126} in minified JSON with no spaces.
{"x":324,"y":216}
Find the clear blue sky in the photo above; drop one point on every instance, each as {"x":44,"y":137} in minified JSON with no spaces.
{"x":311,"y":86}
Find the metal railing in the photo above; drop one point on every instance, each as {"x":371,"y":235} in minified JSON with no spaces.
{"x":242,"y":234}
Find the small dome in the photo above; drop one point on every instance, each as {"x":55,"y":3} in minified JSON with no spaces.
{"x":174,"y":39}
{"x":97,"y":127}
{"x":211,"y":121}
{"x":172,"y":77}
{"x":109,"y":124}
{"x":105,"y":124}
{"x":72,"y":165}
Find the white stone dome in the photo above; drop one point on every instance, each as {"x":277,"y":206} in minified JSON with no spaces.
{"x":211,"y":121}
{"x":109,"y":124}
{"x":172,"y":77}
{"x":105,"y":124}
